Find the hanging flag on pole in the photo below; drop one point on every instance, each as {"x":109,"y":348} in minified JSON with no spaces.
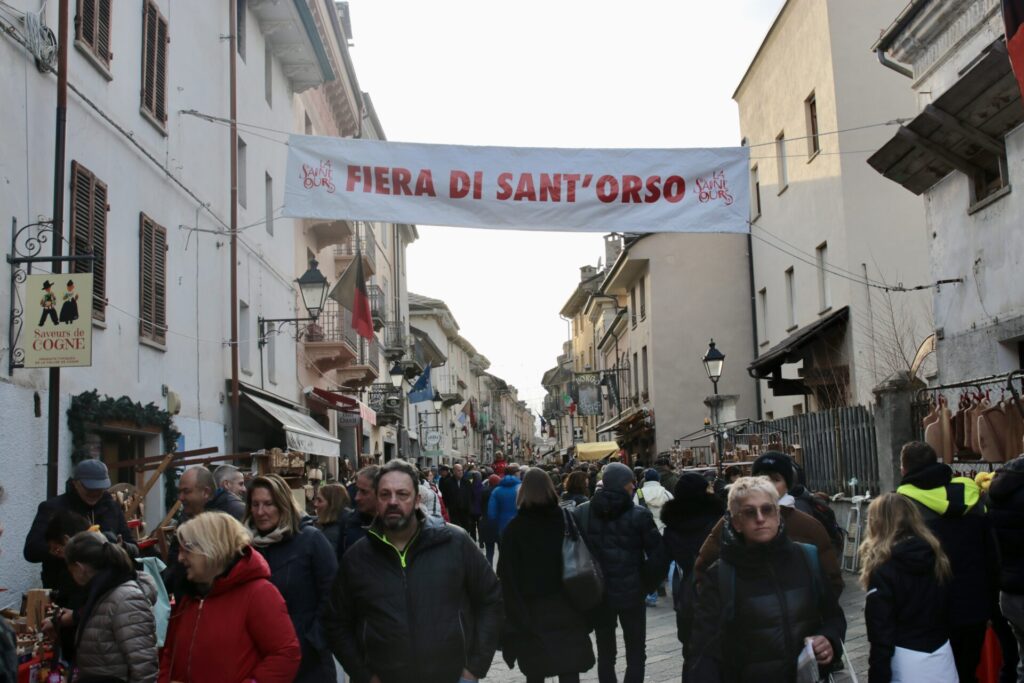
{"x":423,"y":389}
{"x":350,"y":291}
{"x":1013,"y":17}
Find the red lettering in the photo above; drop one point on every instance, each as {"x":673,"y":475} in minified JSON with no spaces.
{"x":675,"y":188}
{"x":653,"y":189}
{"x":504,"y":186}
{"x":631,"y":185}
{"x":400,"y":181}
{"x":607,"y":188}
{"x":367,"y":179}
{"x":458,"y":186}
{"x":551,"y":187}
{"x":380,"y":178}
{"x":425,"y":184}
{"x":525,"y":190}
{"x":352,"y":179}
{"x":478,"y":184}
{"x":570,"y":186}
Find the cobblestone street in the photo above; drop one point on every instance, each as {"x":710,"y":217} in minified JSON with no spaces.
{"x":664,"y":653}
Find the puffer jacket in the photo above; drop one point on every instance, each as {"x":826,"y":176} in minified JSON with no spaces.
{"x":225,"y":501}
{"x":501,"y":508}
{"x":423,"y":615}
{"x":653,"y":496}
{"x":626,"y":543}
{"x":953,"y":509}
{"x":1006,"y":498}
{"x":774,"y":607}
{"x":119,"y":639}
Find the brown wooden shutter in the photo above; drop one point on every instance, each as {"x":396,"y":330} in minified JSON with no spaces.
{"x":86,"y":22}
{"x":99,"y":248}
{"x":102,"y":44}
{"x":88,"y":231}
{"x":152,"y":280}
{"x":154,"y":62}
{"x":160,"y":96}
{"x":160,"y":284}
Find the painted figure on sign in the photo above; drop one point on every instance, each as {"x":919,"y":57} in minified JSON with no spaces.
{"x":69,"y":311}
{"x":48,"y":303}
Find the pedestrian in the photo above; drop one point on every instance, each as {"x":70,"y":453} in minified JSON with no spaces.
{"x":411,"y":602}
{"x":688,"y":518}
{"x":800,"y":527}
{"x":625,"y":542}
{"x":231,"y":479}
{"x":906,"y":575}
{"x":1006,"y":498}
{"x":488,"y":526}
{"x":953,"y":510}
{"x":500,"y":463}
{"x":543,"y":631}
{"x":653,"y":496}
{"x":501,"y":507}
{"x":231,"y":623}
{"x":577,"y":490}
{"x":449,"y":489}
{"x":666,"y":474}
{"x":330,"y":502}
{"x":198,"y":492}
{"x":64,"y":590}
{"x":475,"y":509}
{"x":115,"y":629}
{"x":302,"y":566}
{"x":764,"y":600}
{"x":358,"y":520}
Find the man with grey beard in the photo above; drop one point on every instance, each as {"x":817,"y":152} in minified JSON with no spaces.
{"x":412,"y":602}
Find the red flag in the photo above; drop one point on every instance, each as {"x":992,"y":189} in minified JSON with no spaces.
{"x":362,"y":320}
{"x":1013,"y":17}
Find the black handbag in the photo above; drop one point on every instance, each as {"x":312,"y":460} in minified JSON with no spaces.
{"x":581,"y":574}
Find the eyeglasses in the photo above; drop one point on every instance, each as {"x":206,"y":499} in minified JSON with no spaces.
{"x":766,"y":511}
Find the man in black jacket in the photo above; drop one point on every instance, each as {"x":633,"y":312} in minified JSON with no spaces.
{"x":411,"y":602}
{"x":355,"y":522}
{"x":626,"y":543}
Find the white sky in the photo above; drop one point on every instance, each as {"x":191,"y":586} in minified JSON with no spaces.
{"x":551,"y":73}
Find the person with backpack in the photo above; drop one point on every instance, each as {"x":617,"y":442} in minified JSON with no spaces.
{"x":764,"y":601}
{"x":816,"y":506}
{"x":653,"y":496}
{"x":906,"y":575}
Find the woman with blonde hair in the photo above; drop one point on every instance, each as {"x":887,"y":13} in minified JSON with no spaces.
{"x":331,"y":503}
{"x":302,"y":566}
{"x":231,"y":623}
{"x":906,"y":610}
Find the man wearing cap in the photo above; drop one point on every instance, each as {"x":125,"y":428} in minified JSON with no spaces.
{"x":49,"y":305}
{"x":626,"y":543}
{"x":800,"y":527}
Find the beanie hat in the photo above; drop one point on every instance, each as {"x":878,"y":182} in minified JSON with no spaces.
{"x":690,"y":485}
{"x":775,"y":461}
{"x":651,"y":475}
{"x":616,"y":476}
{"x":494,"y":480}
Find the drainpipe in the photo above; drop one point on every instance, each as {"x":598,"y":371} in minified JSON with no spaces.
{"x":889,"y":64}
{"x":753,"y":318}
{"x":233,"y":108}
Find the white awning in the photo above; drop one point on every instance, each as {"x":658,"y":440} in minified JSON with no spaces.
{"x":302,"y":433}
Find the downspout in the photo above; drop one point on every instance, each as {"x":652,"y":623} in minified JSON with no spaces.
{"x":753,"y":319}
{"x":889,"y":64}
{"x":233,"y":227}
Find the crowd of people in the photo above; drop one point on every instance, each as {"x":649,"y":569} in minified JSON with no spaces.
{"x":394,"y":578}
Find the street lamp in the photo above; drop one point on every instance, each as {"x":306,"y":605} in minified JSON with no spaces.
{"x":437,"y":401}
{"x":313,"y":287}
{"x":713,"y":361}
{"x":397,"y":375}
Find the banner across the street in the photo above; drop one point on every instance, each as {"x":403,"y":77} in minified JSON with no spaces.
{"x":519,"y":188}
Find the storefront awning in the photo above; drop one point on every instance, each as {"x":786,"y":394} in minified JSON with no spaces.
{"x":302,"y":433}
{"x":791,"y":349}
{"x":344,"y":404}
{"x":596,"y":450}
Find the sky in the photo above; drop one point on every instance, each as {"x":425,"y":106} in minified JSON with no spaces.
{"x":551,"y":73}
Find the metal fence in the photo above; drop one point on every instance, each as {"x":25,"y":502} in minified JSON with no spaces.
{"x":837,"y":446}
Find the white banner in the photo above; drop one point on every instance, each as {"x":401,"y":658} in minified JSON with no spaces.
{"x":578,"y":190}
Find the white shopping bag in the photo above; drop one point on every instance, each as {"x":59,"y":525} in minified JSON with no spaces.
{"x":807,"y":665}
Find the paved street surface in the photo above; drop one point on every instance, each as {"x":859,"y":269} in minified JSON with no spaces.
{"x":664,"y":653}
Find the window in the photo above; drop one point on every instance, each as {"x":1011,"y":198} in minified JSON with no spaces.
{"x":269,"y":202}
{"x":798,"y":409}
{"x":780,"y":158}
{"x":152,"y":280}
{"x":632,"y":310}
{"x":271,"y":349}
{"x":769,"y":415}
{"x":643,"y":359}
{"x":242,"y":149}
{"x":240,"y":27}
{"x":154,"y":63}
{"x":824,"y":295}
{"x":268,"y":75}
{"x":92,"y":31}
{"x":245,"y":330}
{"x":989,"y":179}
{"x":811,"y":114}
{"x":790,"y":300}
{"x":643,"y":299}
{"x":755,"y":194}
{"x":762,"y":315}
{"x":636,"y":376}
{"x":88,"y":232}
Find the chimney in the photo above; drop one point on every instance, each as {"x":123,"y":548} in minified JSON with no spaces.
{"x":612,"y":248}
{"x":587,"y":272}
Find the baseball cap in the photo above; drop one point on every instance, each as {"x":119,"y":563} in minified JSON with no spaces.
{"x":92,"y":474}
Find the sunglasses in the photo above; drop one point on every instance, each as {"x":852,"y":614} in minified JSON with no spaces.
{"x":766,"y":511}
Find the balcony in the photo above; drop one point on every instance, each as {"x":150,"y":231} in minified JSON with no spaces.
{"x":386,"y":401}
{"x":364,"y":369}
{"x":378,"y":306}
{"x":394,"y":339}
{"x":330,"y":342}
{"x":447,"y":384}
{"x":361,"y":241}
{"x":323,"y":234}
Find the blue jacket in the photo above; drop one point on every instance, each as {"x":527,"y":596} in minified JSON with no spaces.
{"x":501,"y":508}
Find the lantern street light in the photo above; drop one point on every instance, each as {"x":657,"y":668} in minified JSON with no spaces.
{"x":313,"y":288}
{"x":714,"y":360}
{"x":437,"y":401}
{"x":397,"y":375}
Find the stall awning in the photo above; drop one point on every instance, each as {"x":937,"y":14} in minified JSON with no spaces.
{"x":596,"y":450}
{"x":302,"y":433}
{"x":344,"y":404}
{"x":616,"y":422}
{"x":791,"y":349}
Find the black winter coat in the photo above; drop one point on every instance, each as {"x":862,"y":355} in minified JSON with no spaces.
{"x":332,"y":531}
{"x":775,"y":607}
{"x":488,"y":528}
{"x":302,"y":568}
{"x":543,"y":631}
{"x":225,"y":501}
{"x":905,"y":607}
{"x":688,"y":521}
{"x":626,"y":543}
{"x":1006,"y":495}
{"x":423,"y":618}
{"x":353,"y":528}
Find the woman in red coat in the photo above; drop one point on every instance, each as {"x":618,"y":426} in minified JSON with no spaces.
{"x":232,"y":626}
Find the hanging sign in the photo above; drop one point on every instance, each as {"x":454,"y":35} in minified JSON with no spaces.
{"x":61,"y":335}
{"x":523,"y":188}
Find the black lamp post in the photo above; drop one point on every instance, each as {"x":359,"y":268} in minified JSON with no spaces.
{"x":713,"y":361}
{"x":313,"y":287}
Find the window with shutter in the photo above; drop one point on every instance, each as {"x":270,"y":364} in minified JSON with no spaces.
{"x":154,"y":63}
{"x":152,"y":280}
{"x":92,"y":30}
{"x":88,"y":232}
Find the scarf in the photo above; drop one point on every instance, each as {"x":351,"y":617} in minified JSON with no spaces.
{"x":268,"y":539}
